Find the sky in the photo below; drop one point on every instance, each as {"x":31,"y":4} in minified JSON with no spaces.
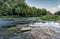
{"x":50,"y":5}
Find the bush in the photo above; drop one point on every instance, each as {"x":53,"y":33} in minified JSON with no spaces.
{"x":50,"y":17}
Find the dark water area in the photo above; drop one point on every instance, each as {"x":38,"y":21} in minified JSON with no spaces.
{"x":15,"y":21}
{"x":6,"y":22}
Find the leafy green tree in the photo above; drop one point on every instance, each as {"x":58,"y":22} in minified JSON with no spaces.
{"x":20,"y":8}
{"x":57,"y":13}
{"x":13,"y":7}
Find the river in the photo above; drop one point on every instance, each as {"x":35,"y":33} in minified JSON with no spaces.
{"x":6,"y":22}
{"x":14,"y":21}
{"x":50,"y":24}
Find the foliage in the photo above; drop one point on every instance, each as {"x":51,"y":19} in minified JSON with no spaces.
{"x":57,"y":13}
{"x":19,"y":8}
{"x":50,"y":17}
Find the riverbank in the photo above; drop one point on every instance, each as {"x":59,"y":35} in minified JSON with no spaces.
{"x":43,"y":18}
{"x":11,"y":16}
{"x":34,"y":33}
{"x":50,"y":18}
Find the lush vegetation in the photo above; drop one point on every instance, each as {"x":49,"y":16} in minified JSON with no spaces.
{"x":19,"y":8}
{"x":57,"y":13}
{"x":50,"y":18}
{"x":53,"y":17}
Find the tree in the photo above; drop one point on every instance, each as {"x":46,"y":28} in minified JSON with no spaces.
{"x":19,"y":8}
{"x":57,"y":13}
{"x":49,"y":13}
{"x":12,"y":7}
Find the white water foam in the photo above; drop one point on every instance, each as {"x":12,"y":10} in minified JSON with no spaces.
{"x":47,"y":24}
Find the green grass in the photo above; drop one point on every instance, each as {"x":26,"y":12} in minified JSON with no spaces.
{"x":50,"y":18}
{"x":46,"y":17}
{"x":9,"y":16}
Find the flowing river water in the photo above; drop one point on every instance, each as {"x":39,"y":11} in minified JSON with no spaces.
{"x":5,"y":22}
{"x":54,"y":25}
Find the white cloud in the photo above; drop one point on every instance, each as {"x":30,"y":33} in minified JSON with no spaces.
{"x":58,"y":6}
{"x":55,"y":9}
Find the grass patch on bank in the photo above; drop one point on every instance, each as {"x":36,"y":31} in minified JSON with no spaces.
{"x":50,"y":18}
{"x":14,"y":16}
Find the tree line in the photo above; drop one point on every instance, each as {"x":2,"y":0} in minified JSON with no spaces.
{"x":21,"y":9}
